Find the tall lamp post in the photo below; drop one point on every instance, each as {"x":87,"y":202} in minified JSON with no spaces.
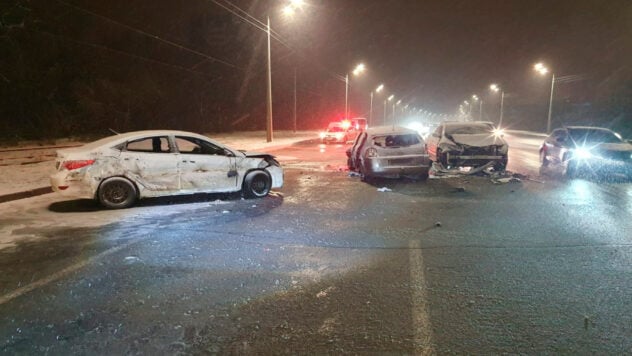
{"x":288,"y":11}
{"x":540,"y":68}
{"x":495,"y":88}
{"x":269,"y":91}
{"x":377,"y":90}
{"x":390,"y":98}
{"x":480,"y":106}
{"x":356,"y":71}
{"x":395,"y":104}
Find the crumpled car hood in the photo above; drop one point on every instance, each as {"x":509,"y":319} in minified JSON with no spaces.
{"x":256,"y":154}
{"x":478,"y":140}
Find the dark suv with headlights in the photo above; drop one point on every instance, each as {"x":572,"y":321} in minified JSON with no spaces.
{"x":580,"y":150}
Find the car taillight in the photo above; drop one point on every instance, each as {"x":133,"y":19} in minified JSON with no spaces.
{"x":72,"y":165}
{"x":371,"y":152}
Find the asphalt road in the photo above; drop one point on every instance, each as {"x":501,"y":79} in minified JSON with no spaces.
{"x":328,"y":264}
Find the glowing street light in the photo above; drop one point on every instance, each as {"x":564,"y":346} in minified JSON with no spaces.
{"x":542,"y":70}
{"x":356,"y":71}
{"x":288,"y":11}
{"x":495,"y":88}
{"x":480,"y":106}
{"x":377,"y":90}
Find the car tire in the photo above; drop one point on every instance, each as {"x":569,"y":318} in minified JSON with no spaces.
{"x":543,"y":160}
{"x":363,"y":176}
{"x":441,"y":158}
{"x":117,"y":193}
{"x":257,"y":184}
{"x":425,"y":175}
{"x":502,"y":165}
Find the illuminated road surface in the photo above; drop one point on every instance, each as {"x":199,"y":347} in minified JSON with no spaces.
{"x":327,"y":265}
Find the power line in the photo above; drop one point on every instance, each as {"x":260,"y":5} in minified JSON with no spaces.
{"x":135,"y":56}
{"x":144,"y":33}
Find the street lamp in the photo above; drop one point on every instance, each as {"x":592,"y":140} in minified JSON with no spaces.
{"x":385,"y":101}
{"x":287,"y":10}
{"x":377,"y":90}
{"x":395,"y":104}
{"x":356,"y":71}
{"x":540,"y":68}
{"x":480,"y":106}
{"x":495,"y":88}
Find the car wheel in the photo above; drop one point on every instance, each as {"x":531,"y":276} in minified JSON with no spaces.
{"x":257,"y":184}
{"x":117,"y":193}
{"x":442,"y":158}
{"x":363,"y":176}
{"x":502,"y":165}
{"x":425,"y":175}
{"x":543,"y":159}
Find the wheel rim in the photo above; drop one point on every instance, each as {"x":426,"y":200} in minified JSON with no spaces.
{"x":259,"y":185}
{"x":116,"y":193}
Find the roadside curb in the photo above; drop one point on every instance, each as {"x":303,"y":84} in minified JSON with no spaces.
{"x":25,"y":194}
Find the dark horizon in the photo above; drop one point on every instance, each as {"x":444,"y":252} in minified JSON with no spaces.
{"x":85,"y":65}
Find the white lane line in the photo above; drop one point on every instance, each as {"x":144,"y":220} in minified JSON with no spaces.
{"x":421,"y":321}
{"x":60,"y":274}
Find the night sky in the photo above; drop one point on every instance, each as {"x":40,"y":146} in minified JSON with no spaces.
{"x":193,"y":64}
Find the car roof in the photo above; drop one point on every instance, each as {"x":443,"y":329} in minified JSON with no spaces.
{"x":122,"y":137}
{"x":389,"y":130}
{"x":587,"y":128}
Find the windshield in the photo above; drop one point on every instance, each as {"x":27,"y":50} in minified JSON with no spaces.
{"x":593,"y":136}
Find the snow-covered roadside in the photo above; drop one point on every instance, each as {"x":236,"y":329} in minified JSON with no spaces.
{"x":15,"y":178}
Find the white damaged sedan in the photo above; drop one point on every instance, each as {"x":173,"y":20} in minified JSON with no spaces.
{"x":118,"y":170}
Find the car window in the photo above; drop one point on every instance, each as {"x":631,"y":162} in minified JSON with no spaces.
{"x":156,"y":144}
{"x":401,"y":140}
{"x":593,"y":136}
{"x":197,"y":146}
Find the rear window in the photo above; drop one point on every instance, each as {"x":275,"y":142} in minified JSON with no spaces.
{"x":403,"y":140}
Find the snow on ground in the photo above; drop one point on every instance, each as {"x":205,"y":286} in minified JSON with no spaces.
{"x":25,"y":170}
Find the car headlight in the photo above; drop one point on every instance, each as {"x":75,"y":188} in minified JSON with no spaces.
{"x":339,"y":135}
{"x":499,"y":132}
{"x":322,"y":135}
{"x":582,"y":153}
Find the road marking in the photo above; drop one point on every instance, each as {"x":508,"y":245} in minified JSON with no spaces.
{"x":60,"y":274}
{"x":421,"y":320}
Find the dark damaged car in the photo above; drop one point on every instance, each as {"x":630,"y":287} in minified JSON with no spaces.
{"x":583,"y":150}
{"x":389,"y":152}
{"x":468,"y":144}
{"x":120,"y":169}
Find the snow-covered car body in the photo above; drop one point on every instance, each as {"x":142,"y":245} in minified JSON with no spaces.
{"x":587,"y":149}
{"x":467,"y":144}
{"x":158,"y":163}
{"x":388,"y":151}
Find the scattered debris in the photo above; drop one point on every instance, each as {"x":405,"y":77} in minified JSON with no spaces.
{"x":225,"y":211}
{"x":438,"y":224}
{"x":506,"y":180}
{"x":384,"y":189}
{"x":132,"y":259}
{"x":459,"y":189}
{"x":354,"y":174}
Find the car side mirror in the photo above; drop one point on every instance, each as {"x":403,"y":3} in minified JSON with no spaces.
{"x":228,"y":153}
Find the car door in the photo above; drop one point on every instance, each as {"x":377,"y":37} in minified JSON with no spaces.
{"x":204,"y":166}
{"x":356,"y":150}
{"x":151,"y":162}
